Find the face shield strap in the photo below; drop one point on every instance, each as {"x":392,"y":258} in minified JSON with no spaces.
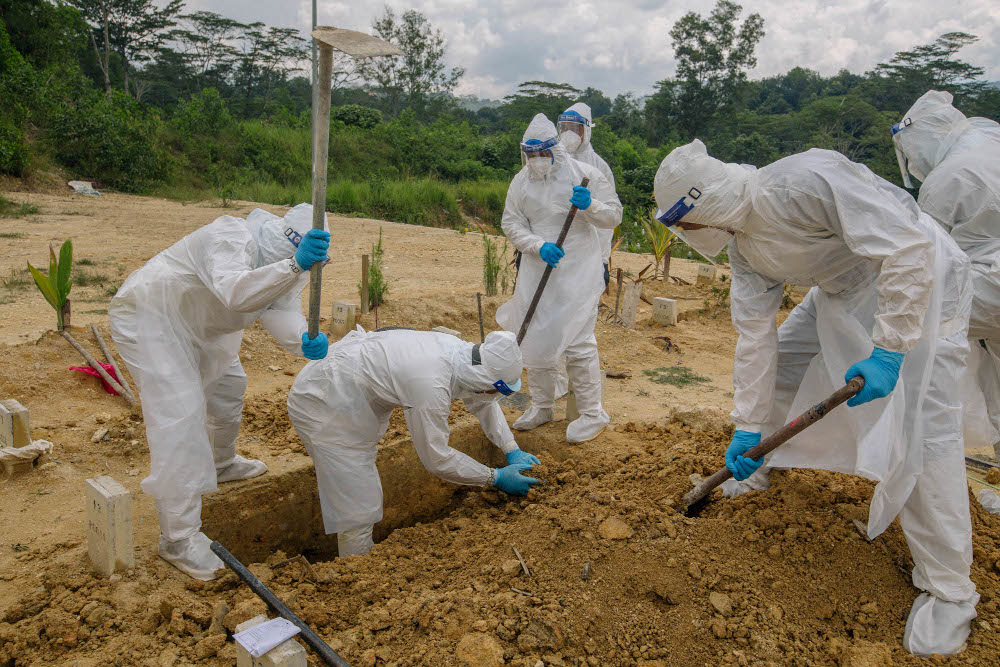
{"x":503,"y":388}
{"x":676,"y":212}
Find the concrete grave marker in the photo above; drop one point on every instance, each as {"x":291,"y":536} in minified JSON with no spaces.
{"x":344,"y":318}
{"x":289,"y":653}
{"x":665,"y":311}
{"x":446,"y":330}
{"x":15,"y":430}
{"x":706,"y":274}
{"x":109,"y":530}
{"x":630,"y":304}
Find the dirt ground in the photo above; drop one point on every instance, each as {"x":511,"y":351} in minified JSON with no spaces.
{"x":772,"y":578}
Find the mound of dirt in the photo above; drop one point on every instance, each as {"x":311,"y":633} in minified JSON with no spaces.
{"x":616,"y":576}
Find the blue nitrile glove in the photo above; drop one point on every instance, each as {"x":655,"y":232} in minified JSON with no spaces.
{"x":551,"y":253}
{"x":742,"y":466}
{"x":511,"y":480}
{"x":312,"y":248}
{"x":880,"y":371}
{"x":521,"y":456}
{"x":580,"y":198}
{"x":314,"y":348}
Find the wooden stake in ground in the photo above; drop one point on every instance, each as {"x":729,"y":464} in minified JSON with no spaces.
{"x":618,"y":294}
{"x":358,"y":45}
{"x":100,"y":370}
{"x":364,"y":284}
{"x":111,"y":360}
{"x":479,"y":305}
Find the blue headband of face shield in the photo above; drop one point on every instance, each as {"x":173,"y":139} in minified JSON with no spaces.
{"x":293,"y":236}
{"x":680,"y":208}
{"x":899,"y":127}
{"x":537,"y":146}
{"x":572,"y":117}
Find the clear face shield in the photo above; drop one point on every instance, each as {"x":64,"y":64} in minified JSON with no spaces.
{"x":706,"y":241}
{"x":537,"y":155}
{"x":904,"y":166}
{"x":572,"y":130}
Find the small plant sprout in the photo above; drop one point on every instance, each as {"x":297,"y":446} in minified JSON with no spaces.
{"x":662,"y":241}
{"x":56,"y":285}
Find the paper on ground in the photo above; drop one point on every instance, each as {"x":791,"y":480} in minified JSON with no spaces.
{"x":260,"y":639}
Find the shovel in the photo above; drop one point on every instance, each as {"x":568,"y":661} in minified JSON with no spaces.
{"x":694,"y":498}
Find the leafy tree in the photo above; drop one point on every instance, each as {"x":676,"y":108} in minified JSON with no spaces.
{"x":420,"y":73}
{"x":205,"y":45}
{"x":713,"y":57}
{"x":268,"y":55}
{"x":534,"y":97}
{"x":600,"y":104}
{"x":625,"y":116}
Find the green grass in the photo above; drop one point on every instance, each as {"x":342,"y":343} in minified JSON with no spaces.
{"x":86,"y":261}
{"x":83,"y":278}
{"x":13,"y":209}
{"x":98,"y":311}
{"x":16,"y":280}
{"x":678,"y":376}
{"x":483,"y":199}
{"x":11,"y":235}
{"x":113,"y":288}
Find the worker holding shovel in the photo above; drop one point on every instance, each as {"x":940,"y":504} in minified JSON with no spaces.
{"x":178,"y":323}
{"x":890,"y":301}
{"x":538,"y":201}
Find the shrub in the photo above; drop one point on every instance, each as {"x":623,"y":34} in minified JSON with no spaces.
{"x":204,"y":113}
{"x":13,"y":148}
{"x":355,"y":115}
{"x":378,"y":286}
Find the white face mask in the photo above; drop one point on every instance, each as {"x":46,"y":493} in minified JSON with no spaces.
{"x":540,"y":166}
{"x":571,"y":140}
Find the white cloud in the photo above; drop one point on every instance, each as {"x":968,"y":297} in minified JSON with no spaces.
{"x":625,"y":45}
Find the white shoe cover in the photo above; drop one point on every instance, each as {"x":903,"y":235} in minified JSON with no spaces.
{"x":585,"y":428}
{"x":240,"y":468}
{"x":533,"y":418}
{"x":937,"y":626}
{"x":356,"y":542}
{"x":192,"y":556}
{"x":759,"y":481}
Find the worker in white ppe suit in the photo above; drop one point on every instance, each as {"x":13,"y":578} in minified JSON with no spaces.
{"x":340,"y":407}
{"x":958,"y":161}
{"x":574,"y":128}
{"x":890,"y":301}
{"x":178,"y":322}
{"x":538,"y":200}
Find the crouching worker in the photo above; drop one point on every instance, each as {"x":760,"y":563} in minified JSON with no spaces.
{"x":340,"y":407}
{"x":178,"y":322}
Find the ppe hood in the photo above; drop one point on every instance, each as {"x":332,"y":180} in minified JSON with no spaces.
{"x":494,"y":364}
{"x":278,"y":238}
{"x":541,"y":135}
{"x":925,"y":135}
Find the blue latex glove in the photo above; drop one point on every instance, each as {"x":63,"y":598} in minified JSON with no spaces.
{"x":314,"y":348}
{"x":580,"y":198}
{"x":551,"y":253}
{"x":742,"y":466}
{"x":880,"y":371}
{"x":521,"y":456}
{"x":511,"y":480}
{"x":312,"y":248}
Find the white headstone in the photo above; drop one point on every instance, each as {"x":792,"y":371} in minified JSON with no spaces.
{"x":630,"y":304}
{"x":109,"y":530}
{"x":664,"y":311}
{"x":15,"y":428}
{"x":344,"y":318}
{"x":446,"y":330}
{"x":706,"y":274}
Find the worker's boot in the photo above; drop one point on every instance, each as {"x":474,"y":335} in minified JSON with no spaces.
{"x":230,"y":466}
{"x":585,"y":375}
{"x":355,"y":542}
{"x":182,"y":544}
{"x":542,"y":387}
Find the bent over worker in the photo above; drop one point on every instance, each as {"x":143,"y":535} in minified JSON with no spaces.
{"x":178,"y":323}
{"x":890,"y":302}
{"x":958,"y":161}
{"x":538,"y":200}
{"x":340,"y":407}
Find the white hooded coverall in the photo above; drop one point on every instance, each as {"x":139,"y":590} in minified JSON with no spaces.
{"x":340,"y":406}
{"x":585,"y":153}
{"x":885,"y":275}
{"x":178,"y":323}
{"x":958,"y":161}
{"x":563,"y":323}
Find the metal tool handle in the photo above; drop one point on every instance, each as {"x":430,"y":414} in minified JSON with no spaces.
{"x":548,"y":269}
{"x":780,"y":437}
{"x":328,"y":655}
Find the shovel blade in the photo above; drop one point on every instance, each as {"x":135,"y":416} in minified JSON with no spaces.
{"x":354,"y":43}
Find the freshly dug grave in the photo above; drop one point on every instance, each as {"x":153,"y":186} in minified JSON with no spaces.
{"x":777,"y":577}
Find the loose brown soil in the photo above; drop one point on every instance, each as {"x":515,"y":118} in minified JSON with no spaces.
{"x":771,"y":578}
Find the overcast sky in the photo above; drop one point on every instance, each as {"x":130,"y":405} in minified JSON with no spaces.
{"x":624,"y":45}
